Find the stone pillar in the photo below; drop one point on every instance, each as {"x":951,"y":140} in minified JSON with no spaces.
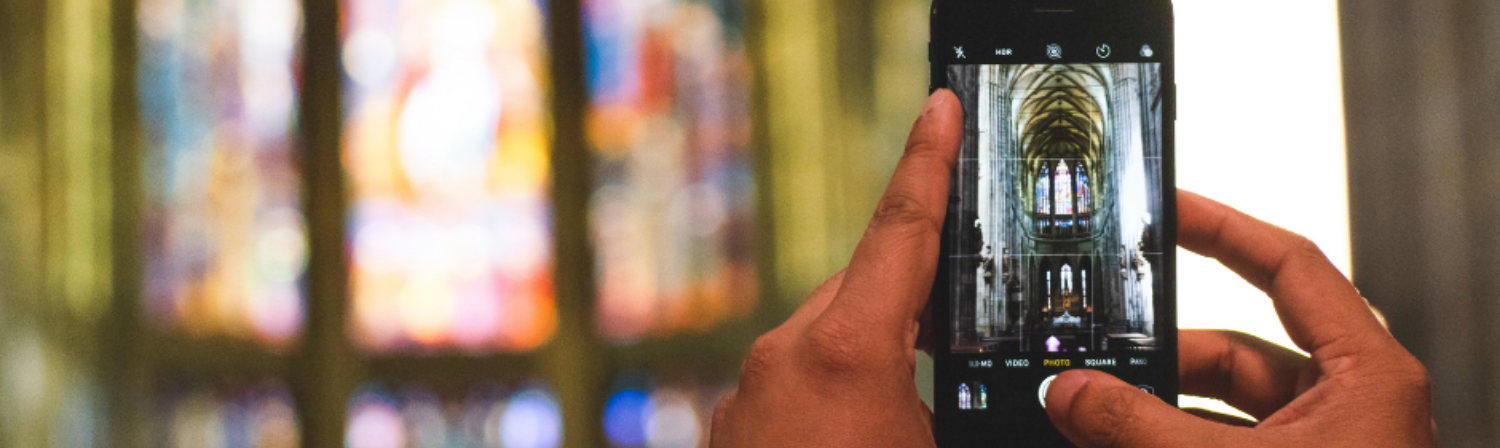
{"x":987,"y":277}
{"x":965,"y":304}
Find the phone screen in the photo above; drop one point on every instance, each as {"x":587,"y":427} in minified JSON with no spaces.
{"x":1054,"y":235}
{"x":1058,"y":245}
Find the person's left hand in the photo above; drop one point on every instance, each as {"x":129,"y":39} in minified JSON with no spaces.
{"x":839,"y":371}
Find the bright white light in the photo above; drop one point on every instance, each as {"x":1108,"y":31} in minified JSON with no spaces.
{"x":532,"y":420}
{"x":673,"y":423}
{"x":375,"y":425}
{"x":1260,"y":127}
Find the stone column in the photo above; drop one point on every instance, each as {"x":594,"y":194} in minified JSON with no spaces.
{"x":965,"y":304}
{"x":985,"y":275}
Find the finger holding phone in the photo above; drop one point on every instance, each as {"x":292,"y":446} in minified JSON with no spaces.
{"x":1047,"y":274}
{"x":842,"y":375}
{"x":839,"y":372}
{"x":1359,"y":387}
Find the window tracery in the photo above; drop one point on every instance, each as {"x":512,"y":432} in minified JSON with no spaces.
{"x":1062,"y":183}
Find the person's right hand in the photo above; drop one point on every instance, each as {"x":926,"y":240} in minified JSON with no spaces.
{"x":1359,"y":388}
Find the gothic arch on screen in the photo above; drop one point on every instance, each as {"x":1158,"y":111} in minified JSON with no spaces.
{"x":1064,"y":175}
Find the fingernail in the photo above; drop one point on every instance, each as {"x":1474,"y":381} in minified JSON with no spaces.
{"x":933,"y":101}
{"x":1060,"y":393}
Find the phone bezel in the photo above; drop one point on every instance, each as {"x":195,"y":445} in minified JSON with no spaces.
{"x":984,"y":25}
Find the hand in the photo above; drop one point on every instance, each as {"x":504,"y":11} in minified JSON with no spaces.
{"x":838,"y":373}
{"x":1359,"y":388}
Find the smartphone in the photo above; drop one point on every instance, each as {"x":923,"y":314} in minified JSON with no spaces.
{"x":1057,"y":249}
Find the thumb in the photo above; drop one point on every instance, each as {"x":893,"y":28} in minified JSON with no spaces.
{"x":1096,"y":410}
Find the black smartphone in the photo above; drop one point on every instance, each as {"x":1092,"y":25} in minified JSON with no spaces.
{"x":1058,"y":247}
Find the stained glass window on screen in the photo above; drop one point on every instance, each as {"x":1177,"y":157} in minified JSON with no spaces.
{"x":669,"y":125}
{"x":1063,"y":182}
{"x":1042,"y":200}
{"x":447,"y":155}
{"x":1085,"y":195}
{"x":226,"y":245}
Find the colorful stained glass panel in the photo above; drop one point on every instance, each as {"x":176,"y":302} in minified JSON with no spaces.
{"x":1063,"y":183}
{"x":193,"y":414}
{"x":447,"y":156}
{"x":483,"y":415}
{"x":1085,"y":195}
{"x":225,"y":238}
{"x":644,"y":411}
{"x":671,"y":213}
{"x":1042,"y":198}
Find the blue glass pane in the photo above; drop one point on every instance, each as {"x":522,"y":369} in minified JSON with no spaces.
{"x":225,"y":239}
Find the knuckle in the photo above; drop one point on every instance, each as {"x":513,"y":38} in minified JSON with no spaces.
{"x":1307,"y":247}
{"x":832,"y":349}
{"x":1415,"y":376}
{"x":1398,"y":372}
{"x":900,"y":210}
{"x":758,"y":363}
{"x":829,"y":286}
{"x":1240,"y":343}
{"x":1236,"y":341}
{"x":1239,"y":338}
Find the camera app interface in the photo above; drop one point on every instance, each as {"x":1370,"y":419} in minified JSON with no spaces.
{"x":1055,"y":235}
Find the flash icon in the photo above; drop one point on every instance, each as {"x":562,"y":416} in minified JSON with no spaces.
{"x":959,"y":51}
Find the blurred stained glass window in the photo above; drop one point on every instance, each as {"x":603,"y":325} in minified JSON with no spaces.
{"x":193,"y":414}
{"x":660,"y":412}
{"x":447,"y":154}
{"x":225,"y":239}
{"x":669,"y":124}
{"x":484,"y":415}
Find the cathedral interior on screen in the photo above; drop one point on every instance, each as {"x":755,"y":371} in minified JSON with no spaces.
{"x":1055,"y":229}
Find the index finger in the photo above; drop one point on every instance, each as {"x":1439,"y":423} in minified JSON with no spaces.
{"x":1320,"y":309}
{"x":890,"y":275}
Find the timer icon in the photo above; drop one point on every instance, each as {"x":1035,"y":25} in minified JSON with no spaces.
{"x":1103,"y":51}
